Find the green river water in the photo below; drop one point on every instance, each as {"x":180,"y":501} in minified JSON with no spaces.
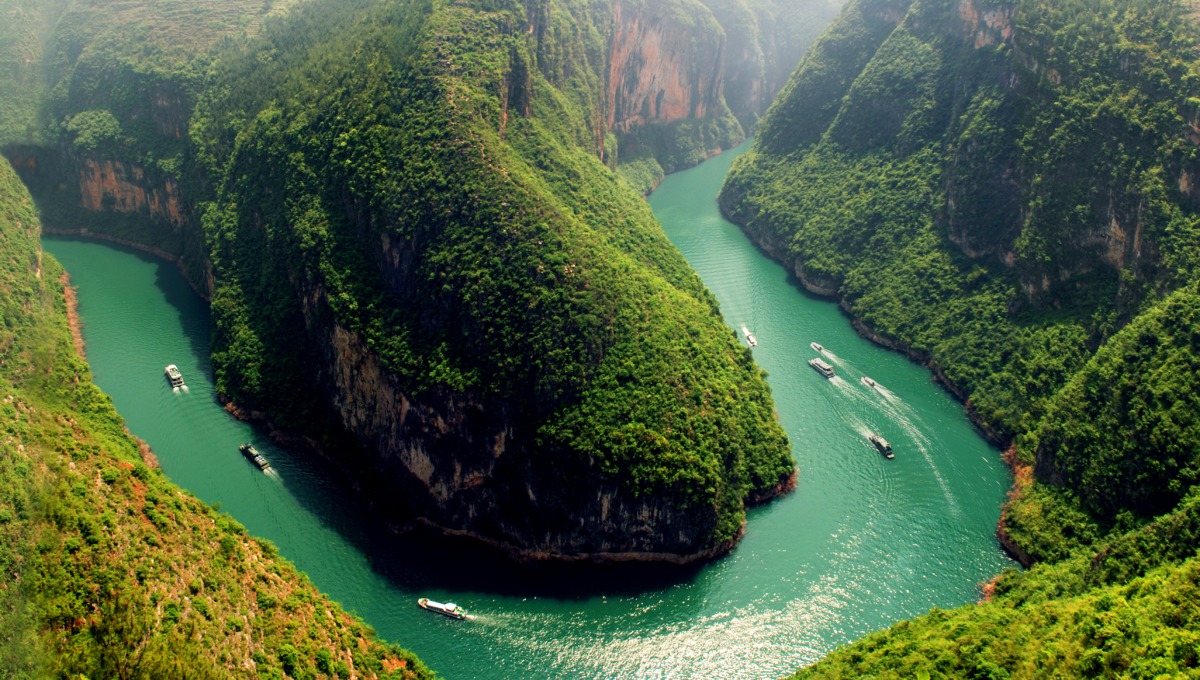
{"x":862,"y":543}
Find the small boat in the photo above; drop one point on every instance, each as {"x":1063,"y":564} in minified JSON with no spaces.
{"x":822,"y":367}
{"x":173,"y":375}
{"x":254,"y":456}
{"x":817,"y":346}
{"x":868,"y":382}
{"x":445,"y":609}
{"x":750,"y":337}
{"x":882,"y":446}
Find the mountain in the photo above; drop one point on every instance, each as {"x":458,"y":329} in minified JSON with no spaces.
{"x":1004,"y":190}
{"x":418,"y":256}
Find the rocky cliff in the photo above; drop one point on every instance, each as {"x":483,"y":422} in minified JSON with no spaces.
{"x":687,"y":78}
{"x":491,"y":422}
{"x":663,"y":68}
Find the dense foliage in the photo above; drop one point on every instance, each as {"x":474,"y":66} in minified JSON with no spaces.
{"x":106,"y":568}
{"x":535,"y":280}
{"x":425,"y":175}
{"x":1013,"y":202}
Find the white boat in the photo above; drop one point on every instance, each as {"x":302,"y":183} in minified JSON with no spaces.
{"x":444,"y":608}
{"x":750,"y":337}
{"x":822,"y":367}
{"x":817,"y":346}
{"x":173,"y":375}
{"x":868,"y":382}
{"x":882,"y":446}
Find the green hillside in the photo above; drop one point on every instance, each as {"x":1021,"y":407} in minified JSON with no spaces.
{"x":107,"y":569}
{"x":539,"y":284}
{"x":1003,"y":190}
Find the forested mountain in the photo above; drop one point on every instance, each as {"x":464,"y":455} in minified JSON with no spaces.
{"x":1005,"y":190}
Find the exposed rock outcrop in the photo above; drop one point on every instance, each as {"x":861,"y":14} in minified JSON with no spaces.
{"x":662,"y":70}
{"x":112,"y":185}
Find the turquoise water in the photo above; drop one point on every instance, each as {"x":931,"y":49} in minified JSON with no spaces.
{"x":862,"y":542}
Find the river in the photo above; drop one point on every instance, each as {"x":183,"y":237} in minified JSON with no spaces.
{"x":862,"y":543}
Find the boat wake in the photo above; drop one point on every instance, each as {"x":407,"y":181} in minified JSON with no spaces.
{"x":902,"y":415}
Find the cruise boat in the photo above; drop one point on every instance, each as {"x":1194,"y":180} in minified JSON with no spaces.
{"x":254,"y":456}
{"x":822,"y":367}
{"x":882,"y":446}
{"x":445,"y":609}
{"x":817,"y":346}
{"x":868,"y":382}
{"x":173,"y":375}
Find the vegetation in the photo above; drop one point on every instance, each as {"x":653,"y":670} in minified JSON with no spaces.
{"x":538,"y":282}
{"x":106,"y":568}
{"x":427,"y":172}
{"x":1024,"y":193}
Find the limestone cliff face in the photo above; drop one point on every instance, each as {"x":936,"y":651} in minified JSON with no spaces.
{"x":115,"y":200}
{"x":125,"y":188}
{"x":713,"y":66}
{"x":661,"y":70}
{"x":986,"y":25}
{"x":99,"y":185}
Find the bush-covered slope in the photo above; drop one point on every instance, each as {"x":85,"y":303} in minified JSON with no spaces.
{"x":1005,"y":190}
{"x":106,"y":568}
{"x":413,"y":177}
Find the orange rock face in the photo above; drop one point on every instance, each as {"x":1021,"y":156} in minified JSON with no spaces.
{"x":661,"y":71}
{"x":987,"y":25}
{"x":110,"y":185}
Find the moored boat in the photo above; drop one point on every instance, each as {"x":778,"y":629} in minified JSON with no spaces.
{"x":173,"y":375}
{"x":254,"y":456}
{"x":882,"y":446}
{"x":444,"y":608}
{"x":822,"y":367}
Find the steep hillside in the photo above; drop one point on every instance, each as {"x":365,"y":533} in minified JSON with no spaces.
{"x":486,"y":308}
{"x":1005,"y":191}
{"x":106,"y":568}
{"x":1129,"y":611}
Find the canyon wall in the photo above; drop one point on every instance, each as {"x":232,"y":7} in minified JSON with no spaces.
{"x":688,"y":78}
